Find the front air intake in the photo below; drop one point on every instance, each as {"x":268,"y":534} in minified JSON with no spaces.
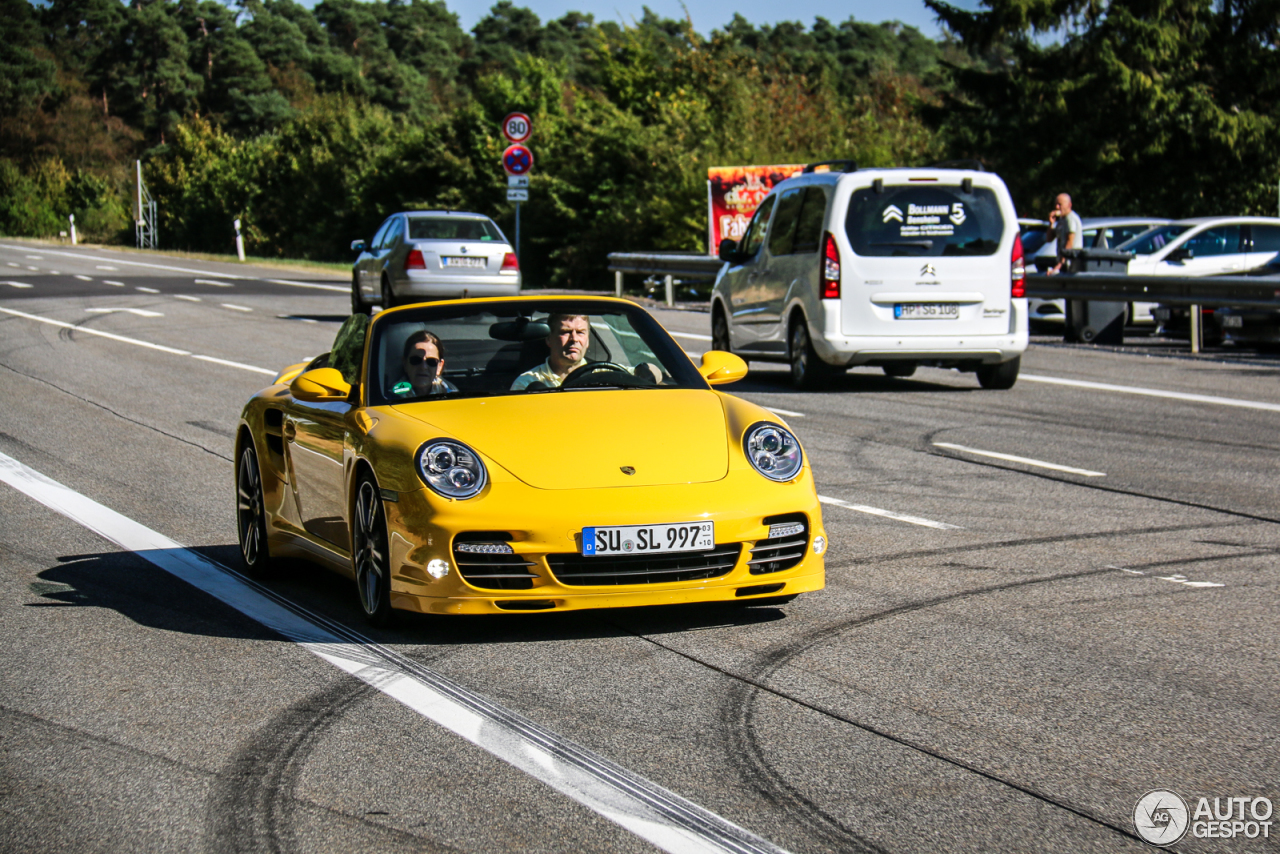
{"x":784,"y":547}
{"x":485,"y":559}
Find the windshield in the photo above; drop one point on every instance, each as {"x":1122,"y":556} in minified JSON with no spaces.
{"x":917,"y":220}
{"x":1153,"y":240}
{"x":453,"y":228}
{"x":522,"y":347}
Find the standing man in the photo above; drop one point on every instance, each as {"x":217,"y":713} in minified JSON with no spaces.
{"x":1065,"y":227}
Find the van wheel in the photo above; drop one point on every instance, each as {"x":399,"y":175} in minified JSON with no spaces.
{"x":808,"y":371}
{"x":388,"y":298}
{"x":1001,"y":376}
{"x":900,"y":369}
{"x":720,"y":331}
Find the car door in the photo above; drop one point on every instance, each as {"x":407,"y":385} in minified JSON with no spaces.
{"x":1214,"y":252}
{"x":739,"y":281}
{"x":774,"y":272}
{"x":387,"y":254}
{"x":1264,"y":249}
{"x":366,"y":269}
{"x":794,"y":264}
{"x":315,"y":438}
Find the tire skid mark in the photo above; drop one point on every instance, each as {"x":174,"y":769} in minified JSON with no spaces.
{"x":738,"y":711}
{"x":253,"y":803}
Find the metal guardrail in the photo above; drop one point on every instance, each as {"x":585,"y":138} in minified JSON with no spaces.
{"x":1206,"y":291}
{"x":665,"y":264}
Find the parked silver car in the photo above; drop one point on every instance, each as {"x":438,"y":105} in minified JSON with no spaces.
{"x":432,"y":255}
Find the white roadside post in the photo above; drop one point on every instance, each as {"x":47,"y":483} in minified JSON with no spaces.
{"x":73,"y":229}
{"x":669,"y":282}
{"x":617,"y":282}
{"x":239,"y":241}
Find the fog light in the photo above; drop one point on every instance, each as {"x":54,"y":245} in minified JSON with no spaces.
{"x":437,"y":568}
{"x":819,"y":545}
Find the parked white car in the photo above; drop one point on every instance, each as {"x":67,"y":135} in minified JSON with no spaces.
{"x":1099,"y":233}
{"x":1206,"y":246}
{"x":892,"y":268}
{"x":432,"y":255}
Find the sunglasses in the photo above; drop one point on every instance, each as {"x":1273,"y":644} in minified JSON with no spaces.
{"x":416,"y":359}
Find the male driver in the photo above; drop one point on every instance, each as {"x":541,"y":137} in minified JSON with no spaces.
{"x":568,"y":345}
{"x":1064,"y":226}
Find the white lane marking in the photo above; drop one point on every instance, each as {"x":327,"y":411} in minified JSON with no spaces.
{"x":141,"y":312}
{"x":187,"y":298}
{"x":35,"y":257}
{"x":214,"y":282}
{"x":147,"y":290}
{"x":692,"y":335}
{"x":637,"y":804}
{"x":1152,"y":392}
{"x":126,"y":263}
{"x":116,"y":284}
{"x":240,"y":365}
{"x":1026,"y":461}
{"x":1176,"y":579}
{"x":84,"y":278}
{"x":105,"y":267}
{"x":295,"y":317}
{"x":889,"y":514}
{"x":235,"y":307}
{"x":19,"y":285}
{"x":11,"y":264}
{"x":784,"y":411}
{"x":54,"y":273}
{"x":97,"y":332}
{"x":340,"y":288}
{"x":33,"y":269}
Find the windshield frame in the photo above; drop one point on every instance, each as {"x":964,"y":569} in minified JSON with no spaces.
{"x":670,"y":354}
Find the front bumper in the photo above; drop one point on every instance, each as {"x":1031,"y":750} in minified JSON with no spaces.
{"x":423,"y":526}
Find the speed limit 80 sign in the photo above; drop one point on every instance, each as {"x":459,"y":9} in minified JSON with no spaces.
{"x":516,"y":127}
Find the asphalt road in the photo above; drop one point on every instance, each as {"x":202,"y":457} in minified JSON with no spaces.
{"x":1006,"y":658}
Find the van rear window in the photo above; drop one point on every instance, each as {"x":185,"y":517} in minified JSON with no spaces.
{"x":915,"y":220}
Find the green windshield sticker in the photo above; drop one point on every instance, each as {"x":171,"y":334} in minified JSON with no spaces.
{"x":401,"y":388}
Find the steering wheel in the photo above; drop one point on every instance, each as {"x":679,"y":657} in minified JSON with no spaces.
{"x":580,"y":376}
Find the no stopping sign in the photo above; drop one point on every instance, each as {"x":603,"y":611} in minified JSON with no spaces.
{"x":517,"y":160}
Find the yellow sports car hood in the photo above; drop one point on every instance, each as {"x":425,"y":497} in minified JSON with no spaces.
{"x":588,"y":439}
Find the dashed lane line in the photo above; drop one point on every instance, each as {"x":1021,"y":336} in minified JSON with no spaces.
{"x":214,"y":282}
{"x":889,"y":514}
{"x":235,"y":307}
{"x":1153,"y":392}
{"x":344,"y":289}
{"x":141,"y":312}
{"x":782,"y":411}
{"x":187,"y":298}
{"x":147,"y":290}
{"x":114,"y":284}
{"x":695,"y":336}
{"x":107,"y":268}
{"x":22,"y":285}
{"x":136,"y":342}
{"x":33,"y":269}
{"x":126,"y":263}
{"x":84,"y":278}
{"x":650,"y":811}
{"x":1176,"y":579}
{"x":1026,"y":461}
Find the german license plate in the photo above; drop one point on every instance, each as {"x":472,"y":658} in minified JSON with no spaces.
{"x":926,"y":311}
{"x":459,"y":261}
{"x":1232,"y":321}
{"x":648,"y":539}
{"x":1161,"y":314}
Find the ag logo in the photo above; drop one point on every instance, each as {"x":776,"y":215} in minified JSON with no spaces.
{"x":892,"y":212}
{"x":957,"y":213}
{"x":1161,"y":817}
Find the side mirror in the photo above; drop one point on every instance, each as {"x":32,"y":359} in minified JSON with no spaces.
{"x":320,"y":385}
{"x":357,"y":246}
{"x":728,"y":251}
{"x":721,"y":368}
{"x":1182,"y":253}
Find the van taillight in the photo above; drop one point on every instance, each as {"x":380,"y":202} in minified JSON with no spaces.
{"x":414,"y":261}
{"x":1017,"y":270}
{"x":830,"y":268}
{"x":509,"y":262}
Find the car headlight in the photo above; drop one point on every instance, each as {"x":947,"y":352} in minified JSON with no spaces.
{"x":773,"y":451}
{"x":451,"y":468}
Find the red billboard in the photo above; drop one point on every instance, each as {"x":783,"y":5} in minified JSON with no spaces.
{"x":734,"y":193}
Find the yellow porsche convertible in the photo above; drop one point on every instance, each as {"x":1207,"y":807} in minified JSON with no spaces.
{"x":522,"y":454}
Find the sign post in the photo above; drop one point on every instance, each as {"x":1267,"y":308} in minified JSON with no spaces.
{"x":517,"y":161}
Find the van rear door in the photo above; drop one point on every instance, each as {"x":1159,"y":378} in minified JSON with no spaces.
{"x":928,"y":259}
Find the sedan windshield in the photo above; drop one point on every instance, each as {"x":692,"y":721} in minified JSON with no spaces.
{"x":522,"y":347}
{"x":1153,"y":240}
{"x":453,"y":228}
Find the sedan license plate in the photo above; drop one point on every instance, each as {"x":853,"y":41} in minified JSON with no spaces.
{"x":1232,"y":321}
{"x":926,"y":311}
{"x":1161,"y":314}
{"x":648,"y":539}
{"x":459,"y":261}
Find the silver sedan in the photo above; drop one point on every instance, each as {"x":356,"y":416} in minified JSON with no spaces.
{"x":432,"y":255}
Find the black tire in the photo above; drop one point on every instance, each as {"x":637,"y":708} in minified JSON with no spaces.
{"x":720,"y":331}
{"x":370,"y":556}
{"x":251,"y":515}
{"x":358,"y":305}
{"x":388,"y":298}
{"x":900,"y":370}
{"x":808,"y":371}
{"x":1001,"y":376}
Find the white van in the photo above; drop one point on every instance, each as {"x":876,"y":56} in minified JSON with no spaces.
{"x":884,"y":267}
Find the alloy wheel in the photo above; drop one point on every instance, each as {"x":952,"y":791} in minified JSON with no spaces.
{"x":370,"y":554}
